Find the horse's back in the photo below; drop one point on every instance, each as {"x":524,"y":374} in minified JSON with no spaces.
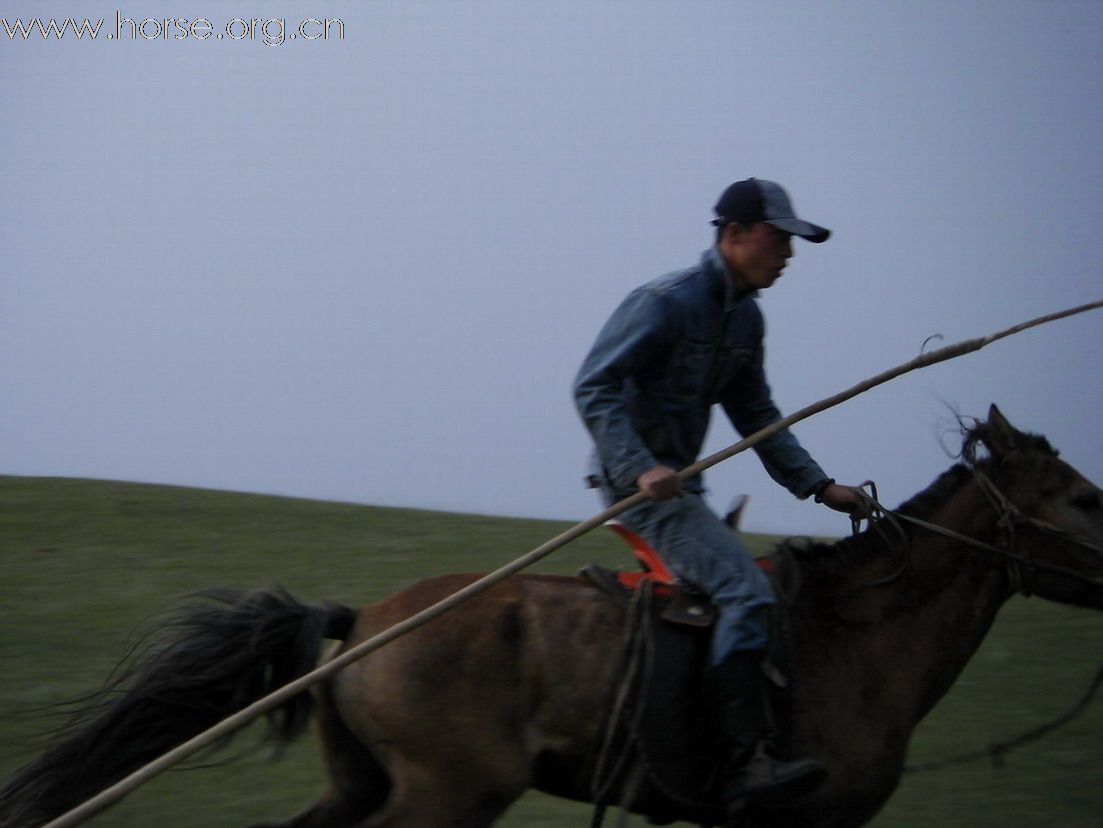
{"x":532,"y":607}
{"x":522,"y":670}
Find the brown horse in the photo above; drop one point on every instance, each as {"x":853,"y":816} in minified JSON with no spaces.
{"x":453,"y":722}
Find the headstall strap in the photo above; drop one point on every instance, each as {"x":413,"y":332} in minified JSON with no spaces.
{"x":1014,"y":569}
{"x":1007,"y":512}
{"x":1008,"y":517}
{"x":1011,"y":517}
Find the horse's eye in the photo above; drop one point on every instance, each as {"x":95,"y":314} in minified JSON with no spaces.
{"x":1087,"y":500}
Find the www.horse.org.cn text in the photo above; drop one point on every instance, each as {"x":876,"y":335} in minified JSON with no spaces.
{"x":271,"y":31}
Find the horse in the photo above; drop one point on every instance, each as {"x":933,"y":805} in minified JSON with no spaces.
{"x":450,"y":724}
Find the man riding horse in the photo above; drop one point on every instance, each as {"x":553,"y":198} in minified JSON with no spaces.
{"x":673,"y":348}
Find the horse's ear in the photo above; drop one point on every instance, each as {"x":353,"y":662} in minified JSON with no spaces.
{"x":1000,"y":436}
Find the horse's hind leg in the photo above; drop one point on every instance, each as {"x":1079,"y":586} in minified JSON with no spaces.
{"x":359,"y":785}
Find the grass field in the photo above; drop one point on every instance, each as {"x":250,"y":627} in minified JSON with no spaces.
{"x":84,"y":563}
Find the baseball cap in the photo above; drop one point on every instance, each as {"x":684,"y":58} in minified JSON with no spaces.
{"x":755,"y":199}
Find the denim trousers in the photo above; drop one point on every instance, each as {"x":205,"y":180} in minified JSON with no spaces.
{"x":701,"y":550}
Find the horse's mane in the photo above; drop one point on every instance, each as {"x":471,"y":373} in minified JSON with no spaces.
{"x":921,"y":505}
{"x":976,"y":435}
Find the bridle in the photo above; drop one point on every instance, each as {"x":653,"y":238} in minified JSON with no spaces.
{"x":1009,"y":520}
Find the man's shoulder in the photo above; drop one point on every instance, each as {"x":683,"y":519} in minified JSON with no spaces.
{"x":701,"y":287}
{"x":691,"y":283}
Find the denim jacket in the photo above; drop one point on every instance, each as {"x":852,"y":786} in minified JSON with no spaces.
{"x":674,"y":348}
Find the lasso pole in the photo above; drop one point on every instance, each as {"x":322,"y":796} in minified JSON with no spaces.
{"x":227,"y":726}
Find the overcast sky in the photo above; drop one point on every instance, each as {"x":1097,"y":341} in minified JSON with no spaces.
{"x":366,"y":268}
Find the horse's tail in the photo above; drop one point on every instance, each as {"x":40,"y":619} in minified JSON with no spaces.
{"x":209,"y":659}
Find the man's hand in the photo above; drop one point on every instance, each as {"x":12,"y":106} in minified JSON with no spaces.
{"x":660,"y":483}
{"x":849,"y":499}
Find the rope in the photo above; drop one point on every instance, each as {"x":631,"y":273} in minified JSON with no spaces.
{"x":634,"y":679}
{"x":243,"y":717}
{"x":997,"y":750}
{"x":638,"y":663}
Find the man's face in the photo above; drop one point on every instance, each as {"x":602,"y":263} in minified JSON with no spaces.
{"x":755,"y":254}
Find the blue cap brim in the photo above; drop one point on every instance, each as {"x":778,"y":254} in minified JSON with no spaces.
{"x":805,"y":229}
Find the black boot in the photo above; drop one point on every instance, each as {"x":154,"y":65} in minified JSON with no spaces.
{"x":735,"y":693}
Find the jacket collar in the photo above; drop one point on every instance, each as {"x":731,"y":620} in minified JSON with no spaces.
{"x":721,"y":284}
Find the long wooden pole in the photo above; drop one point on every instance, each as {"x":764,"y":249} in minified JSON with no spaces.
{"x":288,"y":691}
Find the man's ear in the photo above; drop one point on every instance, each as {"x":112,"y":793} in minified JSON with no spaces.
{"x":731,"y":233}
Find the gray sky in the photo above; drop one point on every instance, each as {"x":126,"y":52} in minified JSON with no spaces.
{"x":366,"y":268}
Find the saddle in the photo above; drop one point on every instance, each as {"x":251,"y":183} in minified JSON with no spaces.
{"x":659,"y":757}
{"x":682,"y":603}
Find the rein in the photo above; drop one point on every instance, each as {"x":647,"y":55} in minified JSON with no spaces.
{"x":1009,"y":518}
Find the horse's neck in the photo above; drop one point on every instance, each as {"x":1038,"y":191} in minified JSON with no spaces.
{"x":913,"y":635}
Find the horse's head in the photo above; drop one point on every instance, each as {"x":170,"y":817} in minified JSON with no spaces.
{"x":1052,"y":514}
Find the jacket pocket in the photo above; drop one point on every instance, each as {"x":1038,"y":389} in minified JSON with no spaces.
{"x":730,"y":360}
{"x":691,"y":367}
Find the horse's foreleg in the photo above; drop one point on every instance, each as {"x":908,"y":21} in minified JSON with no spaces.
{"x":331,"y":811}
{"x":442,"y":797}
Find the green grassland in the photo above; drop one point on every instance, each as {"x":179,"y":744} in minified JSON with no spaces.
{"x":84,"y":563}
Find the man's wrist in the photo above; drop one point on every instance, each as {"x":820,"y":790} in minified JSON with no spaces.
{"x":820,"y":488}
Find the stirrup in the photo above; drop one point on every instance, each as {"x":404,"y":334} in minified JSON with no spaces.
{"x":770,"y":781}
